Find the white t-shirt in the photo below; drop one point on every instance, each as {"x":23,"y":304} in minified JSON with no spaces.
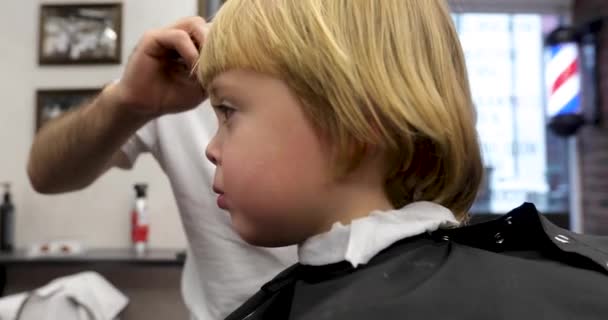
{"x":221,"y":270}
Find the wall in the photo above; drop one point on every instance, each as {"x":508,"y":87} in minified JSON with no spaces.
{"x":593,"y":141}
{"x":98,"y":215}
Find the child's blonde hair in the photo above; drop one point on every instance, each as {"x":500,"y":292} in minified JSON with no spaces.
{"x":385,"y":74}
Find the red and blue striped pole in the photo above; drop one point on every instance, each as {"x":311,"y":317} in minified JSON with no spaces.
{"x":564,"y":106}
{"x":564,"y":80}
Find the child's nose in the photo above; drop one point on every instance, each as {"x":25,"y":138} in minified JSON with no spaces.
{"x":212,"y":151}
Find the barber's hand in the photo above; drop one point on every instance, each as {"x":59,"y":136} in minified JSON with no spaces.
{"x":158,"y":78}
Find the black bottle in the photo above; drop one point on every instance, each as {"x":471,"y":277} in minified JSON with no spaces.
{"x":7,"y":221}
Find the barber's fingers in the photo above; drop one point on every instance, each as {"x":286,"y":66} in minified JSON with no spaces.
{"x":195,"y":26}
{"x":173,"y":44}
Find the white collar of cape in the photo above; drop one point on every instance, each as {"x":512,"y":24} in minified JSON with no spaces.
{"x":365,"y":237}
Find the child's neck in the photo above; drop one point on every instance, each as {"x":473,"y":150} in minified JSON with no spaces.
{"x":357,"y":194}
{"x":356,"y":202}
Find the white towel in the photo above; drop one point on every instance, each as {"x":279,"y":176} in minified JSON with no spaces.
{"x":84,"y":296}
{"x":9,"y":306}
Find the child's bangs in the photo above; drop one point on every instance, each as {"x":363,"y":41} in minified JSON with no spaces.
{"x":241,"y":37}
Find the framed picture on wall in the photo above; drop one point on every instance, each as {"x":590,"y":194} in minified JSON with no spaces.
{"x":207,"y":8}
{"x":80,"y":34}
{"x":52,"y":103}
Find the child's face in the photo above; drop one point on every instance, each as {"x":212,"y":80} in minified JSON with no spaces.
{"x":273,"y":172}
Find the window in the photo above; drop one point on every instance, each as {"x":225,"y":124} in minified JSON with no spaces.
{"x":523,"y":160}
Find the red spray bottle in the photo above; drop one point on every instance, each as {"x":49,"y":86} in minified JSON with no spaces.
{"x":140,"y":227}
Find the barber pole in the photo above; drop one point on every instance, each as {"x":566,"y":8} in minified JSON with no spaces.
{"x":563,"y":80}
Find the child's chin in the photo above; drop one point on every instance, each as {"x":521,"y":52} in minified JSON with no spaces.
{"x":263,"y":240}
{"x":260,"y":237}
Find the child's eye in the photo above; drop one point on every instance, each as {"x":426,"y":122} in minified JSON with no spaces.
{"x":224,"y":111}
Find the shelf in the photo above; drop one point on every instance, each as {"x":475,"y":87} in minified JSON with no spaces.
{"x":153,"y":257}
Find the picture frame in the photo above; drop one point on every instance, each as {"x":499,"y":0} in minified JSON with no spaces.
{"x":80,"y":34}
{"x":52,"y":103}
{"x":207,"y":8}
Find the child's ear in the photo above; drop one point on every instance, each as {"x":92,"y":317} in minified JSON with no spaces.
{"x":378,"y":126}
{"x":346,"y":158}
{"x":360,"y":153}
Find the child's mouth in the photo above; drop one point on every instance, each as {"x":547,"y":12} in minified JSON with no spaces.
{"x":221,"y":202}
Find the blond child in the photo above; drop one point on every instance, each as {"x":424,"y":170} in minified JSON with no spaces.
{"x":347,"y":127}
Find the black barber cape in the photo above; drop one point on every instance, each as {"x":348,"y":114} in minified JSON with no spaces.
{"x":519,"y":266}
